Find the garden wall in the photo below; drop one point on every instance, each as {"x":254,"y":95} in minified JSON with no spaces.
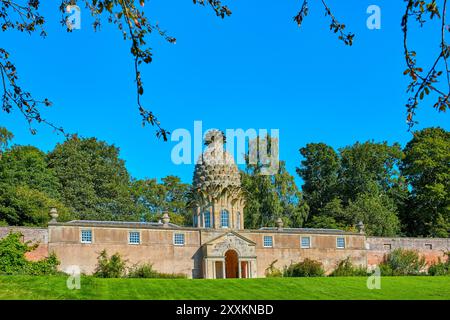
{"x":430,"y":248}
{"x":35,"y":235}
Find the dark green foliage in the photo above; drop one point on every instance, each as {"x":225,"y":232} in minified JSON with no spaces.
{"x":402,"y":262}
{"x":368,"y":165}
{"x":146,"y":271}
{"x":13,"y":261}
{"x":306,"y":268}
{"x":361,"y":183}
{"x":426,"y":167}
{"x":94,"y":181}
{"x":110,"y":267}
{"x":269,"y":197}
{"x":377,"y":211}
{"x":47,"y":266}
{"x":28,"y":188}
{"x":440,"y":268}
{"x":27,"y":165}
{"x":153,"y":198}
{"x":23,"y":206}
{"x":319,"y":171}
{"x":345,"y":268}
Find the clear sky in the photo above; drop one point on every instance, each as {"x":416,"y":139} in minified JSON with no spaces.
{"x":255,"y":69}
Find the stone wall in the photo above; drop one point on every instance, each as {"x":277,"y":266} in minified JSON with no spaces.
{"x":287,"y":249}
{"x":430,"y":248}
{"x":35,"y":235}
{"x":156,"y":247}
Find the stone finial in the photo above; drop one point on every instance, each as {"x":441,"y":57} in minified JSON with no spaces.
{"x":54,"y":214}
{"x":280,"y":224}
{"x":360,"y":227}
{"x":165,"y":219}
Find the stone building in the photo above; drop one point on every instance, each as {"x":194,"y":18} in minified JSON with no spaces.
{"x":217,"y":245}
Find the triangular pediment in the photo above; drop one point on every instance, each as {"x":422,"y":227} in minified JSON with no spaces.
{"x":230,"y":234}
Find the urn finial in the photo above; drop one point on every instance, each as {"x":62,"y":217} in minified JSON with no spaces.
{"x":165,"y":219}
{"x":54,"y":214}
{"x":360,"y":227}
{"x":280,"y":224}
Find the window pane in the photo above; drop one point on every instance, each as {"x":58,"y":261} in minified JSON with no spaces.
{"x":306,"y":242}
{"x":86,"y":236}
{"x":268,"y":241}
{"x":340,"y":242}
{"x":178,"y":239}
{"x":195,"y":220}
{"x":207,"y":219}
{"x":238,"y":222}
{"x":224,"y":217}
{"x":134,"y":237}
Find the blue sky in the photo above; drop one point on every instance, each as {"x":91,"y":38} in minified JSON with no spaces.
{"x":255,"y":69}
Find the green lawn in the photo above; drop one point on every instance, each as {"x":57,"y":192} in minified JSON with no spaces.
{"x":28,"y":287}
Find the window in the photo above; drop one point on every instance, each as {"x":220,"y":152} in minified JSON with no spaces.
{"x":207,"y":216}
{"x":178,"y":239}
{"x":306,"y":242}
{"x":268,"y":241}
{"x":224,"y":218}
{"x":86,"y":236}
{"x":428,"y":246}
{"x":387,"y":246}
{"x":134,"y":237}
{"x":340,"y":242}
{"x":238,"y":220}
{"x":195,"y":220}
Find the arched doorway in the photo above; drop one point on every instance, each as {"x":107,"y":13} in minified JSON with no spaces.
{"x":231,"y":264}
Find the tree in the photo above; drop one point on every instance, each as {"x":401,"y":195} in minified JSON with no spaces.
{"x":426,"y":167}
{"x":23,"y":206}
{"x":153,"y":198}
{"x":27,"y":165}
{"x":377,"y":211}
{"x":131,"y":21}
{"x":5,"y":138}
{"x":269,"y":197}
{"x":94,"y":181}
{"x":319,"y":171}
{"x":333,"y":215}
{"x":368,"y":164}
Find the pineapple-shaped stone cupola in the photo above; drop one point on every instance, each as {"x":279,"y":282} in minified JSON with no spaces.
{"x":216,"y":196}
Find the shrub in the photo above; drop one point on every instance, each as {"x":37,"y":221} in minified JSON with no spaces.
{"x":146,"y":271}
{"x":113,"y":267}
{"x":142,"y":271}
{"x":47,"y":266}
{"x":440,"y":268}
{"x":345,"y":268}
{"x":306,"y":268}
{"x":272,"y":271}
{"x":402,"y":262}
{"x":13,"y":261}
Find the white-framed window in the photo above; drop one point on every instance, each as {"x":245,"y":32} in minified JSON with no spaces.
{"x":268,"y":241}
{"x":340,"y":242}
{"x":305,"y":242}
{"x":178,"y":239}
{"x":224,"y":219}
{"x":207,"y":217}
{"x":86,"y":236}
{"x":134,"y":237}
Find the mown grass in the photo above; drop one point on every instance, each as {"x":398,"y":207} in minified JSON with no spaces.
{"x":341,"y":288}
